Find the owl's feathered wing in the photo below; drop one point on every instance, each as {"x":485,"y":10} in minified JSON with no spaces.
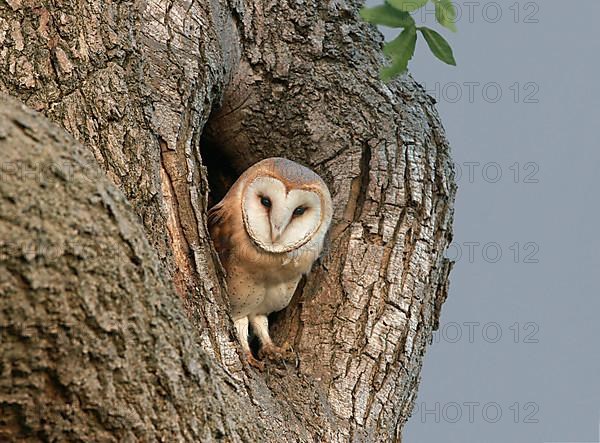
{"x":221,"y":229}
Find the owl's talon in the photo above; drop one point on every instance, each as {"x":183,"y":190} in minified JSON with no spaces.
{"x":276,"y":353}
{"x":287,"y":348}
{"x":254,"y":362}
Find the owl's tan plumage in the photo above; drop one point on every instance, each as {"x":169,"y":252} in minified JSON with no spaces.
{"x":268,"y":231}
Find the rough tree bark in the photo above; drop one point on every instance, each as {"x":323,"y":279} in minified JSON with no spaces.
{"x":105,"y":335}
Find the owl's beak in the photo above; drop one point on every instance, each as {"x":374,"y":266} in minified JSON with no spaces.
{"x":279,"y":222}
{"x":276,"y":231}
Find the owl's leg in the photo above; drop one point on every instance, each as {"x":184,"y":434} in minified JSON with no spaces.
{"x":260,"y":326}
{"x":241,"y":327}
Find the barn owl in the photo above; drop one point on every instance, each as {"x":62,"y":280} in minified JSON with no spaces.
{"x":268,"y":230}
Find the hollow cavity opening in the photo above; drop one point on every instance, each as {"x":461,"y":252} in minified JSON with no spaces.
{"x":221,"y":171}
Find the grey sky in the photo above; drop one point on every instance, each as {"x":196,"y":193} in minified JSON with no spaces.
{"x":542,"y":294}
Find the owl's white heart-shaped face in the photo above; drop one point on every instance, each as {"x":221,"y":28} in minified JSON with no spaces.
{"x":279,"y":219}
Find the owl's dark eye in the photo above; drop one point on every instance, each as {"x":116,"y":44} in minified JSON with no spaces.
{"x":265,"y":201}
{"x":299,"y":211}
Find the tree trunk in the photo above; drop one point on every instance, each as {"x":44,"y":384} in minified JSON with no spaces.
{"x":115,"y":332}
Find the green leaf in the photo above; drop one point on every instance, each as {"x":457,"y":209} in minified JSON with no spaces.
{"x":402,"y":46}
{"x":438,"y":45}
{"x":385,"y":15}
{"x":395,"y":69}
{"x":400,"y":50}
{"x":407,"y":5}
{"x":445,"y":13}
